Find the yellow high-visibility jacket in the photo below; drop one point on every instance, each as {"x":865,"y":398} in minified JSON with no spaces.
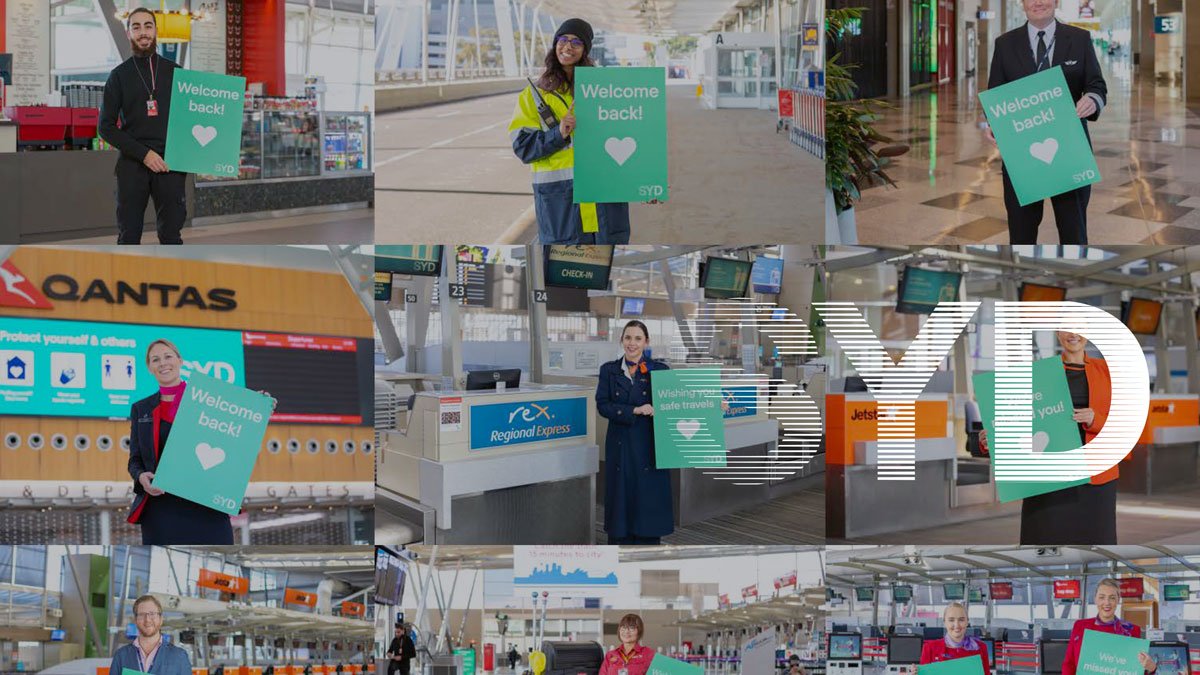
{"x":552,"y":159}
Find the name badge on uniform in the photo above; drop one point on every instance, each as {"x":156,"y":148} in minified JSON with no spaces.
{"x":152,"y":108}
{"x":623,"y":671}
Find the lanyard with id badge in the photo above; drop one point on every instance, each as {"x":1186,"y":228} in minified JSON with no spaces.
{"x":151,"y":87}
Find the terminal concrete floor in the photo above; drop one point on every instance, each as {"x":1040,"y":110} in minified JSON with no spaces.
{"x":1147,"y":147}
{"x":353,"y":226}
{"x":1161,"y":519}
{"x":447,"y":173}
{"x":797,"y":518}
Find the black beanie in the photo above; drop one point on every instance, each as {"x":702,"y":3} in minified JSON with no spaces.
{"x":580,"y":29}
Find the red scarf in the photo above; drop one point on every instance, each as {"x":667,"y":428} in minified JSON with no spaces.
{"x":169,"y":408}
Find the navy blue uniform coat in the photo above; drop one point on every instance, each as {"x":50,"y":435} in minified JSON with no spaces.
{"x":637,"y":496}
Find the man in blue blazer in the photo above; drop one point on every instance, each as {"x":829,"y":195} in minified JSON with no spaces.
{"x":149,"y":653}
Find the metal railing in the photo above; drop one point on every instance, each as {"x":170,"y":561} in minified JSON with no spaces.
{"x":413,"y":75}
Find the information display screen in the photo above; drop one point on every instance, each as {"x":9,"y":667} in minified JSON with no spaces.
{"x":421,"y":260}
{"x":921,"y":290}
{"x":53,"y":367}
{"x":390,"y":574}
{"x":725,"y":278}
{"x":767,"y":275}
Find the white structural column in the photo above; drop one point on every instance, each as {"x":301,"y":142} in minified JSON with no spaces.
{"x":508,"y":52}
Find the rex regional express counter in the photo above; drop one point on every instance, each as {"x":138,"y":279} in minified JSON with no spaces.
{"x":514,"y":466}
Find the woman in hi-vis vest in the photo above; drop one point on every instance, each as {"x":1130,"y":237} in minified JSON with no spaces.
{"x":541,"y":133}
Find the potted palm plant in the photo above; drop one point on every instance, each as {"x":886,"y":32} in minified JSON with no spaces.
{"x":851,"y":162}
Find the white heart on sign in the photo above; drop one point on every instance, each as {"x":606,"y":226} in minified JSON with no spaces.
{"x":209,"y":456}
{"x":620,"y":148}
{"x":18,"y":372}
{"x":1045,"y":151}
{"x":688,"y":428}
{"x":1040,"y":440}
{"x":204,"y":135}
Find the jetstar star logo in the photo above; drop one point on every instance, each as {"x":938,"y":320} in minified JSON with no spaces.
{"x":17,"y":291}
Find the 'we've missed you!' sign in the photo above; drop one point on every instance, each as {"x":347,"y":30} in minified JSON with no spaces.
{"x":621,"y":135}
{"x":204,"y":132}
{"x":1041,"y":139}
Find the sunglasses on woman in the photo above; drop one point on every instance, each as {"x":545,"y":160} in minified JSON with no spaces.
{"x":574,"y":42}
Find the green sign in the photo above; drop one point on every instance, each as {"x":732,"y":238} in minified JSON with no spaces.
{"x":214,"y":442}
{"x":204,"y":131}
{"x":1110,"y":654}
{"x":620,"y":137}
{"x":1054,"y":429}
{"x":420,"y":259}
{"x":689,"y":427}
{"x":468,"y":659}
{"x":1041,"y":139}
{"x":665,"y":665}
{"x":1176,"y":592}
{"x":383,"y":286}
{"x":967,"y":665}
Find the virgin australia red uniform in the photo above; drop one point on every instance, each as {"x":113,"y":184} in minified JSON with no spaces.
{"x":1117,"y":627}
{"x":943,"y":650}
{"x":637,"y":663}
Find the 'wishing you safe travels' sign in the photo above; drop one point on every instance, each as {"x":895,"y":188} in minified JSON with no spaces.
{"x":1040,"y":137}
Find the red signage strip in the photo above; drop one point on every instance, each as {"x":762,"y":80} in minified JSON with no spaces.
{"x":314,"y":342}
{"x":1132,"y":587}
{"x":305,"y":418}
{"x":1066,"y":589}
{"x":1001,"y":590}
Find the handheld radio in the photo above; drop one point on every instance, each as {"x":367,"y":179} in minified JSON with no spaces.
{"x":544,"y":111}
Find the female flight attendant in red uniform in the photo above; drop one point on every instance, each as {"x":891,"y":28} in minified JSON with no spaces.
{"x":956,"y":644}
{"x":1108,"y":596}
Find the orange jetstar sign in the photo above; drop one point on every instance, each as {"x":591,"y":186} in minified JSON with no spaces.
{"x":353,"y":609}
{"x":293,"y":597}
{"x":223,"y":582}
{"x":17,"y":291}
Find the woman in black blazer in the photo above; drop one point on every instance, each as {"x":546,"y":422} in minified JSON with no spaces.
{"x":165,"y":518}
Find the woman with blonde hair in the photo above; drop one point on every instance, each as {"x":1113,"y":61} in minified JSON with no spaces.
{"x":955,"y":644}
{"x":1108,"y":597}
{"x":165,"y":518}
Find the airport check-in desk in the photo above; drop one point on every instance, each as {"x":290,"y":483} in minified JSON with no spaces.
{"x":857,"y":500}
{"x":514,"y":466}
{"x":1168,"y":451}
{"x":748,"y":432}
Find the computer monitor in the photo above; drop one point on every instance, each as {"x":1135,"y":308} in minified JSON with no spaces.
{"x":864,"y":593}
{"x":904,"y":650}
{"x":633,"y":306}
{"x":767,"y":275}
{"x":845,"y":646}
{"x":1141,"y":315}
{"x":478,"y":380}
{"x":1050,"y":656}
{"x":1042,"y":293}
{"x":1176,"y":592}
{"x":901,"y":593}
{"x":1171,"y":657}
{"x":954,"y":591}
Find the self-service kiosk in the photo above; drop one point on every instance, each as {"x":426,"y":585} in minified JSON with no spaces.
{"x":845,"y":654}
{"x":904,"y":653}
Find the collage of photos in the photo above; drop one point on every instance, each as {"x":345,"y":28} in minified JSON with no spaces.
{"x":600,"y":337}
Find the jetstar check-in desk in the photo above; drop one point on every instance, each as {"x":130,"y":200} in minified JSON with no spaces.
{"x":515,"y":466}
{"x":1166,"y":454}
{"x":856,"y":498}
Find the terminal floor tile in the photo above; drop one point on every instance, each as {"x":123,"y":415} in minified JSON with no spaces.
{"x":1146,"y":142}
{"x":355,"y":226}
{"x":795,"y":519}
